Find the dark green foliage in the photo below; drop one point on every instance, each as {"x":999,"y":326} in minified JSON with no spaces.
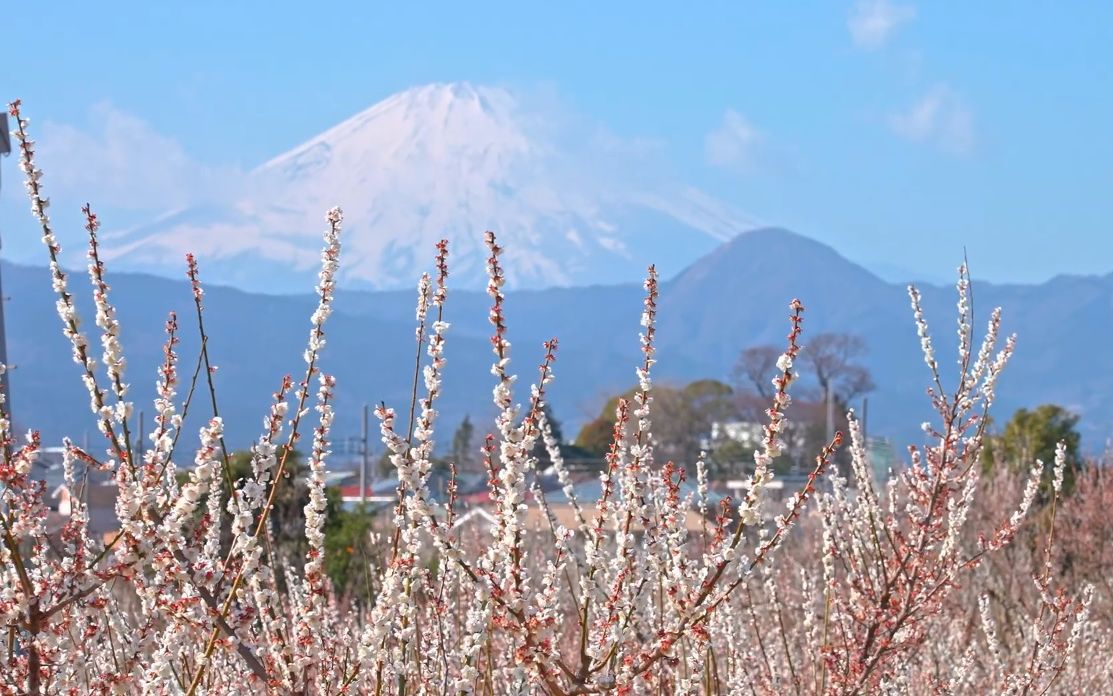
{"x":596,"y":435}
{"x":348,"y":551}
{"x":464,"y":452}
{"x":682,"y":417}
{"x":1032,"y":435}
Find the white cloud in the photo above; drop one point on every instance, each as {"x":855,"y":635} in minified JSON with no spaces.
{"x":122,"y":163}
{"x":734,"y":144}
{"x":873,"y":22}
{"x":940,"y":118}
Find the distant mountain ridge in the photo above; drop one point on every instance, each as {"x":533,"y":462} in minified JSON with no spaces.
{"x":733,"y":297}
{"x":432,"y":162}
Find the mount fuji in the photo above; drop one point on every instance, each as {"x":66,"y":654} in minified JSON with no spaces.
{"x":571,"y":205}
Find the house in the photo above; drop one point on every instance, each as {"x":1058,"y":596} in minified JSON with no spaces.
{"x":384,"y":491}
{"x":100,"y":501}
{"x":746,"y":433}
{"x":97,"y":489}
{"x":483,"y":520}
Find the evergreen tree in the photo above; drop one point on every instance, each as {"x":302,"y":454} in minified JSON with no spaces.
{"x":463,"y":450}
{"x":1032,"y":435}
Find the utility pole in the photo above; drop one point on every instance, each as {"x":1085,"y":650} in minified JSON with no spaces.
{"x":139,"y":445}
{"x":830,"y":414}
{"x":5,"y":150}
{"x":364,"y":453}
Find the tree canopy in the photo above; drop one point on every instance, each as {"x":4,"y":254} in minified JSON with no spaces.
{"x":1033,"y":434}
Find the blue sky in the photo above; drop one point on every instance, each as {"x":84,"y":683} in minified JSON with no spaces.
{"x":897,"y":132}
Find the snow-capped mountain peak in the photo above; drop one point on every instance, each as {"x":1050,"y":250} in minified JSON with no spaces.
{"x":432,"y":162}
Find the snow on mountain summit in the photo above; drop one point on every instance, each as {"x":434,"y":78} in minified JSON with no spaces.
{"x":432,"y":162}
{"x":437,"y":122}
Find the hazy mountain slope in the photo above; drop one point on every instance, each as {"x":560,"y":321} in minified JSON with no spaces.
{"x":732,"y":298}
{"x":256,"y":339}
{"x":738,"y":296}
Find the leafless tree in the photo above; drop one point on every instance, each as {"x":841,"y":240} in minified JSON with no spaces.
{"x":755,"y":368}
{"x":832,"y":360}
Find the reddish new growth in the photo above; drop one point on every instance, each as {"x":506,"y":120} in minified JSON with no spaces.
{"x":442,"y":272}
{"x":494,"y":289}
{"x":194,"y":278}
{"x":198,"y":591}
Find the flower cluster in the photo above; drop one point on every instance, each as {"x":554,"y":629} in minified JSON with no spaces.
{"x":652,"y":586}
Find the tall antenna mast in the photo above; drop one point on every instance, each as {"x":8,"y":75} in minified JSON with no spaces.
{"x":5,"y":150}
